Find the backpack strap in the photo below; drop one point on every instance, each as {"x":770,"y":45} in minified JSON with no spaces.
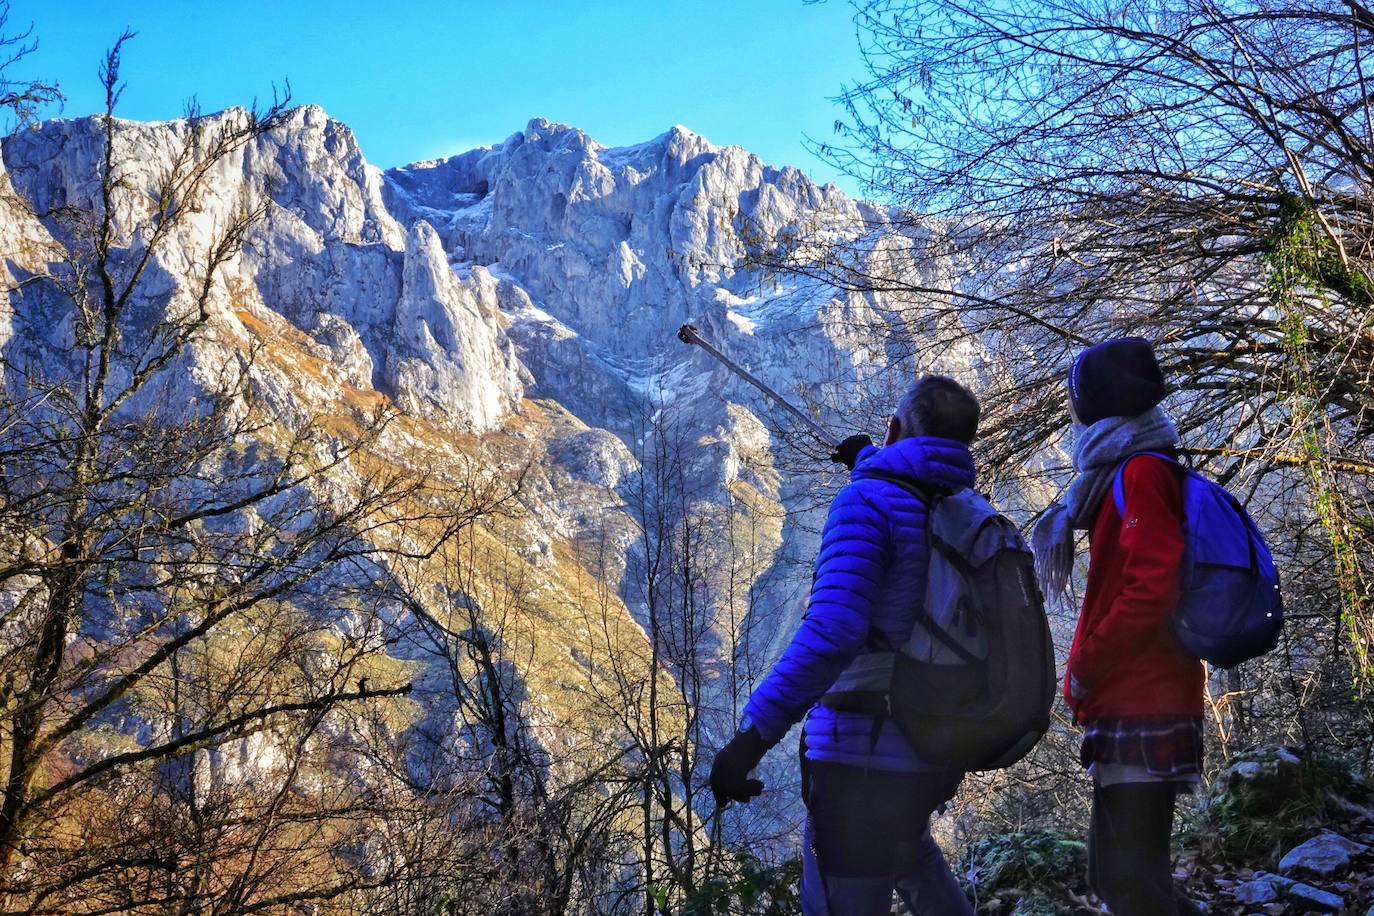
{"x":878,"y":641}
{"x":1119,"y":483}
{"x":927,"y":493}
{"x":949,"y":642}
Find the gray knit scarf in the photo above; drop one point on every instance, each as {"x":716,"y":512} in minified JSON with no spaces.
{"x":1096,"y":453}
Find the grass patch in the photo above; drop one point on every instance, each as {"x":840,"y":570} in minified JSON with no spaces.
{"x":1026,"y":873}
{"x":1269,"y":800}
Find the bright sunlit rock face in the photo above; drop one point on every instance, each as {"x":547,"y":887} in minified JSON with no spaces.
{"x":520,"y":304}
{"x":548,"y":265}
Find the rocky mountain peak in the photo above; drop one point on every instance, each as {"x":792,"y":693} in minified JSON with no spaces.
{"x":546,"y":268}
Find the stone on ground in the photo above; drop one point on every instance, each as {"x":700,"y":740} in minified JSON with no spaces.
{"x":1324,"y":854}
{"x":1313,"y":896}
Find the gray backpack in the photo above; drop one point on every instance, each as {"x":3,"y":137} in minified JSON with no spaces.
{"x":972,"y":686}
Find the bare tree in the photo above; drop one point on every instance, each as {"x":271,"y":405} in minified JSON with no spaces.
{"x":669,"y":691}
{"x":1195,"y":172}
{"x":193,"y":590}
{"x":23,"y":98}
{"x":528,"y":833}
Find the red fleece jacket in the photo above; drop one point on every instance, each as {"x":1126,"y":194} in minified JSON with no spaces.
{"x":1125,"y":657}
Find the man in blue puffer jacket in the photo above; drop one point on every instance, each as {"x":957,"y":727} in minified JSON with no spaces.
{"x":868,"y":795}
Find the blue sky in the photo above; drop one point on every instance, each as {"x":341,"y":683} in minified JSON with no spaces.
{"x":421,"y":78}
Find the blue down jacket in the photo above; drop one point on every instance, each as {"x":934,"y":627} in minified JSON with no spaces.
{"x":871,"y":572}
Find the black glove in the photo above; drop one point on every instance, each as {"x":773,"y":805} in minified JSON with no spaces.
{"x":730,"y":770}
{"x":847,"y":452}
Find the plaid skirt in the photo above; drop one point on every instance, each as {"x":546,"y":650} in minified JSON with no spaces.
{"x":1165,"y":746}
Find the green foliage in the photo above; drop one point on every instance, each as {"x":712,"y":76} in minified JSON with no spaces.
{"x":1305,"y":265}
{"x":1034,"y":871}
{"x":1270,"y":800}
{"x":1302,"y":254}
{"x":751,"y":888}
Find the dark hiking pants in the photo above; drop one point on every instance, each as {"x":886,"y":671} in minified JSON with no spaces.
{"x":867,"y":834}
{"x":1129,"y":863}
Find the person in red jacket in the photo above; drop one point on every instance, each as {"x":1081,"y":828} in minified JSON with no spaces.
{"x":1137,"y":694}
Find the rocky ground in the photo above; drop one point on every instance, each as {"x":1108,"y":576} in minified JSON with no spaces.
{"x":1283,"y":833}
{"x":1278,"y":833}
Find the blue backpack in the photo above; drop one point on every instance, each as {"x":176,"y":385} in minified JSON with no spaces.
{"x":1229,"y":608}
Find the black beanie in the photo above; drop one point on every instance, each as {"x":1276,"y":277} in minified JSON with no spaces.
{"x":1116,"y":378}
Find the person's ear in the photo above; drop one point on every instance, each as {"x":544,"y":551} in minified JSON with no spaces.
{"x":894,"y":430}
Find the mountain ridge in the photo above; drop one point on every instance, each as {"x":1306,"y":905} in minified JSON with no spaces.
{"x":518,"y":305}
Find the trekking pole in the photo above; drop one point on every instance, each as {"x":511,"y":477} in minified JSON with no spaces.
{"x":688,"y":334}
